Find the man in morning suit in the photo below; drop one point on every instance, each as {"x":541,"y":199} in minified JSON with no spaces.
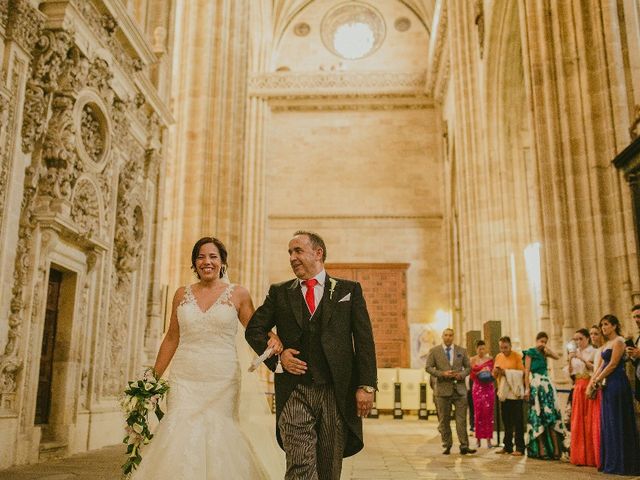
{"x":634,"y":355}
{"x":329,"y":362}
{"x":449,"y":364}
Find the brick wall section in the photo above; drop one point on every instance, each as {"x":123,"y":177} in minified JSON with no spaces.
{"x":385,"y":291}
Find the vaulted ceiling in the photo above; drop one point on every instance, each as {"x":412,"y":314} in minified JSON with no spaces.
{"x":284,"y":11}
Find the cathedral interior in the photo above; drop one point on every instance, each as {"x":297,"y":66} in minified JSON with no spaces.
{"x":472,"y":163}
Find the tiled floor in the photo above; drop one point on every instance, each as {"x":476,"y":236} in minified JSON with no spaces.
{"x":395,"y":449}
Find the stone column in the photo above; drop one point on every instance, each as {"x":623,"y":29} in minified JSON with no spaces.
{"x":210,"y":104}
{"x":570,"y":79}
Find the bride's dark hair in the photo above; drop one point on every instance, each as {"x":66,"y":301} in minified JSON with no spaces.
{"x":196,"y":251}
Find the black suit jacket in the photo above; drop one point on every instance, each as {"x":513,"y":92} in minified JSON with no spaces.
{"x":346,"y":338}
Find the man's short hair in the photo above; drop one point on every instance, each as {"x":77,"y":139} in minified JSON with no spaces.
{"x":505,"y":339}
{"x":316,"y":241}
{"x":449,"y":330}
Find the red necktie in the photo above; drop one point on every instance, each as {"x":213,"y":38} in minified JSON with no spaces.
{"x":310,"y":296}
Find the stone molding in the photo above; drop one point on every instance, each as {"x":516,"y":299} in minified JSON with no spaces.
{"x":333,"y":84}
{"x":437,"y":46}
{"x":341,"y":91}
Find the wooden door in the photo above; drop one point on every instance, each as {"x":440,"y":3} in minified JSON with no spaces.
{"x":385,"y":290}
{"x":43,"y":402}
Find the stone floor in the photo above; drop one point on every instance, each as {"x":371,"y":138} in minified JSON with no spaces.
{"x":396,"y":449}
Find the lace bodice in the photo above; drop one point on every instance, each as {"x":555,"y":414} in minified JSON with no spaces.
{"x":218,"y":323}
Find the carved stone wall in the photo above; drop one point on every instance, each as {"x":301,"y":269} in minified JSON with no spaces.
{"x":82,"y":151}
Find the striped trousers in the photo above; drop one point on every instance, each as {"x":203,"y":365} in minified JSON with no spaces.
{"x":313,"y":434}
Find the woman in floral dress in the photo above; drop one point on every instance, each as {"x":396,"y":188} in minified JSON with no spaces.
{"x":545,"y":429}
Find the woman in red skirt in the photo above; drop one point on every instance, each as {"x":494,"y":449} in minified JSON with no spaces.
{"x":583,"y":410}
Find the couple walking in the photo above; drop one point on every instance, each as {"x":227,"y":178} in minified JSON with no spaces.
{"x":325,"y":345}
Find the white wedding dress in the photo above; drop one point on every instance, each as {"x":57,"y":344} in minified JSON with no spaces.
{"x":200,"y":437}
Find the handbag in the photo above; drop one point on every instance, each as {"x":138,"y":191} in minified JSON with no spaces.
{"x":484,"y":376}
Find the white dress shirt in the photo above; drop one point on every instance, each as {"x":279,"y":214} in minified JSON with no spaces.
{"x":451,"y":353}
{"x":578,"y":367}
{"x":318,"y":290}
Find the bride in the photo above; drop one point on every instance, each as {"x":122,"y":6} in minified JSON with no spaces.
{"x":200,"y":437}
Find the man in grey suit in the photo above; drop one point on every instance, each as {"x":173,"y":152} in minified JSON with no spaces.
{"x":449,"y":364}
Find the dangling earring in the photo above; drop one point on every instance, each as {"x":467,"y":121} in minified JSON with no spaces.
{"x":223,"y":271}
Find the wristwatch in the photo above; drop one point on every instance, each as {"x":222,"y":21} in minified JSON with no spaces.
{"x":367,"y":388}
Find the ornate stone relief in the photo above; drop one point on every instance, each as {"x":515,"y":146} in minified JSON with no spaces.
{"x":59,"y":75}
{"x":60,"y":170}
{"x":86,"y":209}
{"x":282,"y":84}
{"x":93,"y":133}
{"x":105,"y":27}
{"x":10,"y":361}
{"x":7,"y":119}
{"x":23,"y":22}
{"x":128,"y":241}
{"x":49,"y":59}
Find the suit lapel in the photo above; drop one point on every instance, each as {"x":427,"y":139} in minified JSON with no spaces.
{"x":293,"y":294}
{"x":328,"y":302}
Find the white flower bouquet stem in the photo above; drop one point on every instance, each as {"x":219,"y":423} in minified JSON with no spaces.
{"x":141,"y":397}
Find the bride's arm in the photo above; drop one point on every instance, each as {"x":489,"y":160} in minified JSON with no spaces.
{"x":172,"y":338}
{"x":245,"y":312}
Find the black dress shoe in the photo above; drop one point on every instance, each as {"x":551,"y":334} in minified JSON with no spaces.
{"x":466,"y":451}
{"x":446,"y":451}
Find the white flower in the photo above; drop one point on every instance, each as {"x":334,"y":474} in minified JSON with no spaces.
{"x":137,"y":428}
{"x":332,"y":282}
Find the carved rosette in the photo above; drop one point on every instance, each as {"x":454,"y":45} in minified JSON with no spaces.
{"x":85,"y":210}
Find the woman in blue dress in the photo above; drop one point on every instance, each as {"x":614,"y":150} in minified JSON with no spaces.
{"x":619,"y":445}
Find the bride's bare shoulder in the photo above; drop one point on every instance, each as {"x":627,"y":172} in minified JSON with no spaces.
{"x":240,"y":292}
{"x":179,"y":295}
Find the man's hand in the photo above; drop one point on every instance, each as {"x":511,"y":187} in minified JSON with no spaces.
{"x":448,"y":374}
{"x":364,"y":402}
{"x":292,"y":364}
{"x":633,"y":352}
{"x":274,"y":343}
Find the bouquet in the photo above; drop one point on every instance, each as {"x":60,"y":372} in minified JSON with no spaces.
{"x":140,"y":398}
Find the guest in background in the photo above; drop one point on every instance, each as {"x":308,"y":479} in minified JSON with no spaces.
{"x":633,"y":352}
{"x":449,"y":364}
{"x":545,"y":430}
{"x":508,"y":371}
{"x":469,"y":384}
{"x":482,"y":393}
{"x":595,"y":394}
{"x":619,"y":446}
{"x":580,"y":360}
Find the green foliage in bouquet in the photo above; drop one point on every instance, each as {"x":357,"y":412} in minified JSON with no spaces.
{"x":140,"y":398}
